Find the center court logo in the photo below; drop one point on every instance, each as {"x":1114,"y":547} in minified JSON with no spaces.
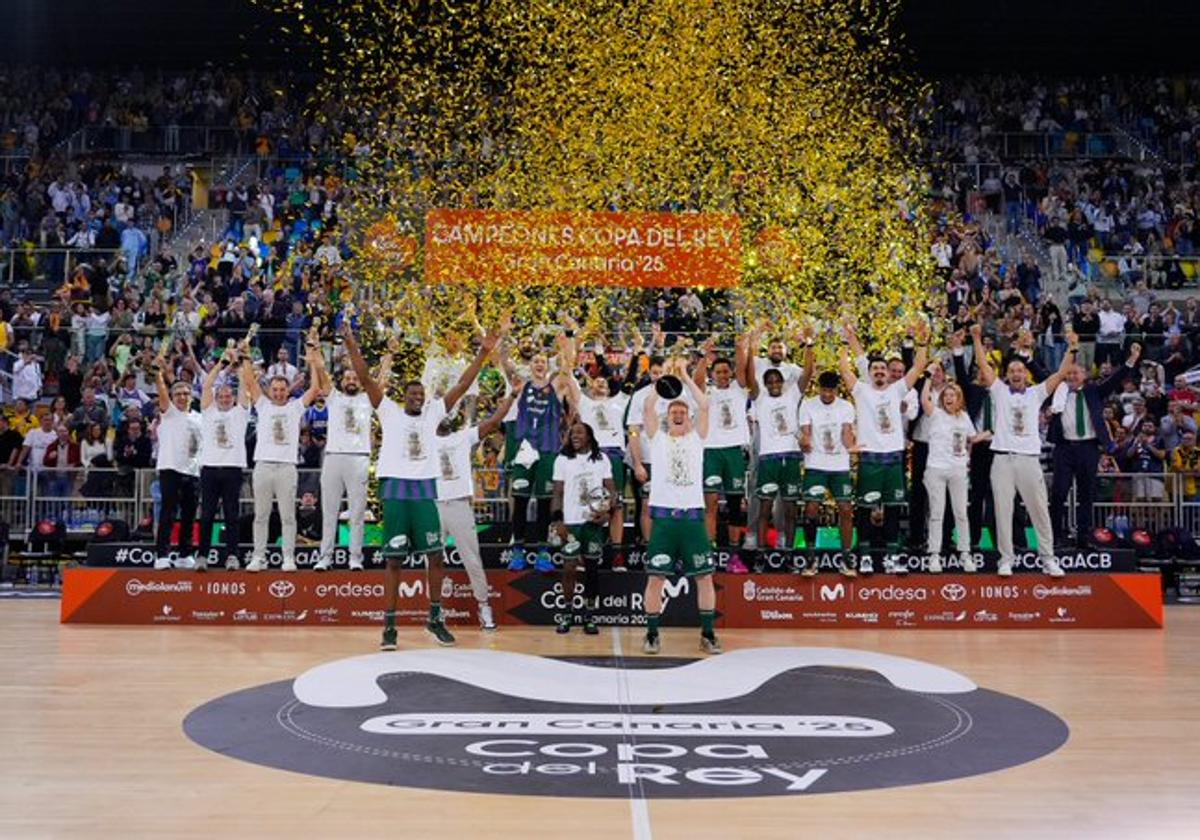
{"x":758,"y":722}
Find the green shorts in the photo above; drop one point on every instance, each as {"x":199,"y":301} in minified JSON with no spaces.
{"x":679,"y":542}
{"x":837,"y":484}
{"x":410,"y":526}
{"x":725,"y":470}
{"x":536,"y":481}
{"x":617,"y":459}
{"x":885,"y":478}
{"x":587,"y":540}
{"x":779,"y":475}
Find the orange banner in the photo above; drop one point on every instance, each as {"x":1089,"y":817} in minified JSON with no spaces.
{"x":605,"y":249}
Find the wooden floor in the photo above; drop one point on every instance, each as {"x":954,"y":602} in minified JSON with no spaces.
{"x":91,"y":743}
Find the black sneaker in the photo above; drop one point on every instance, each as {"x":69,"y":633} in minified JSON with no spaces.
{"x":389,"y":639}
{"x":438,"y":630}
{"x":651,"y":645}
{"x":563,"y":625}
{"x":589,"y":625}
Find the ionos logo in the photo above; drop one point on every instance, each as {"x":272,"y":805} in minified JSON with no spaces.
{"x":759,"y":722}
{"x":282,"y":588}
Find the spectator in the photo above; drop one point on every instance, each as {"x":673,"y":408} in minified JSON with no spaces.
{"x":27,"y":376}
{"x":1185,"y":461}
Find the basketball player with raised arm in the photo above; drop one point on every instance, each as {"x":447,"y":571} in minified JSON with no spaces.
{"x":678,"y":535}
{"x":728,"y":439}
{"x":408,"y":470}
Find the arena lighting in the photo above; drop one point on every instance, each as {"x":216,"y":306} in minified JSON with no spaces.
{"x":111,"y":530}
{"x":48,"y":536}
{"x":1143,"y":541}
{"x":1103,"y":537}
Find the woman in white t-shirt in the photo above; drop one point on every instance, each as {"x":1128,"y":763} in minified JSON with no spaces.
{"x":951,"y":435}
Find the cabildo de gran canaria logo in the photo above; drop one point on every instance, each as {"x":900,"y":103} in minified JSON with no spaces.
{"x":759,"y":722}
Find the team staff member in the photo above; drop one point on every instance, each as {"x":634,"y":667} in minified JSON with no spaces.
{"x":676,"y":500}
{"x":455,"y":495}
{"x":346,"y":464}
{"x":879,"y":412}
{"x":178,"y":472}
{"x":276,"y":449}
{"x":950,"y":434}
{"x":408,"y":469}
{"x":584,"y":498}
{"x":223,"y":421}
{"x":827,"y":439}
{"x":1016,"y":451}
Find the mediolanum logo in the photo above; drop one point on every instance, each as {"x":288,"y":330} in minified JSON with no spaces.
{"x":753,"y":722}
{"x":135,"y":587}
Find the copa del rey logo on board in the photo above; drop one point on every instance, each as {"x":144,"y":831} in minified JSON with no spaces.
{"x":758,"y":722}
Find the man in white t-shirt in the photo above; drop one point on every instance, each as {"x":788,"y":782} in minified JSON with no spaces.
{"x":1016,"y":451}
{"x":178,"y":468}
{"x":584,"y":498}
{"x":605,"y":415}
{"x":728,"y":439}
{"x":282,"y":367}
{"x":879,"y":414}
{"x":456,"y":496}
{"x":408,"y":470}
{"x":827,"y":439}
{"x":37,"y":441}
{"x":346,"y":465}
{"x":776,"y":412}
{"x":276,"y":448}
{"x":679,"y":537}
{"x":223,"y":422}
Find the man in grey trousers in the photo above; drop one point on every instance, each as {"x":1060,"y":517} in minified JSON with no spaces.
{"x":456,"y":493}
{"x":346,"y":464}
{"x":1016,"y":447}
{"x":276,"y":451}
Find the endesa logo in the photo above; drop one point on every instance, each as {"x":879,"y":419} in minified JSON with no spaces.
{"x":364,"y":590}
{"x":484,"y":721}
{"x":892,"y":593}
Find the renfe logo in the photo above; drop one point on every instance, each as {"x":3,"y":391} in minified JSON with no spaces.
{"x":754,"y":722}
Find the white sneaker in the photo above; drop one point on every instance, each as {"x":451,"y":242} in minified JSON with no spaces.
{"x":232,"y":564}
{"x":289,"y":564}
{"x":1004,"y":568}
{"x":968,"y":562}
{"x":187,"y":563}
{"x":256,"y":564}
{"x":1050,"y":566}
{"x":486,"y":620}
{"x":161,"y":563}
{"x":935,"y":564}
{"x":356,"y":564}
{"x":323,"y":565}
{"x":892,"y":566}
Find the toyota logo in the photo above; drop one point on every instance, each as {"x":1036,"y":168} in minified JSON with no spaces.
{"x":282,"y":588}
{"x":954,"y":592}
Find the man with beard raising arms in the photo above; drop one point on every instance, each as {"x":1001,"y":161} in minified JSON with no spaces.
{"x":880,"y":429}
{"x":346,"y":465}
{"x":408,"y":469}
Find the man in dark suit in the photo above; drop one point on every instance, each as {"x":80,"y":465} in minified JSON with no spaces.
{"x":1079,"y":433}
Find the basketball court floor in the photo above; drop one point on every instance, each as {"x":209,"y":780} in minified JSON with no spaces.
{"x":186,"y":731}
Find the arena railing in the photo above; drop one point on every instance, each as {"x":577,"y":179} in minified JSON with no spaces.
{"x":45,"y":269}
{"x":81,"y":498}
{"x":1155,"y":269}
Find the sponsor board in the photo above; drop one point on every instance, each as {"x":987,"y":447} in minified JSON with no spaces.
{"x":756,"y":722}
{"x":111,"y":596}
